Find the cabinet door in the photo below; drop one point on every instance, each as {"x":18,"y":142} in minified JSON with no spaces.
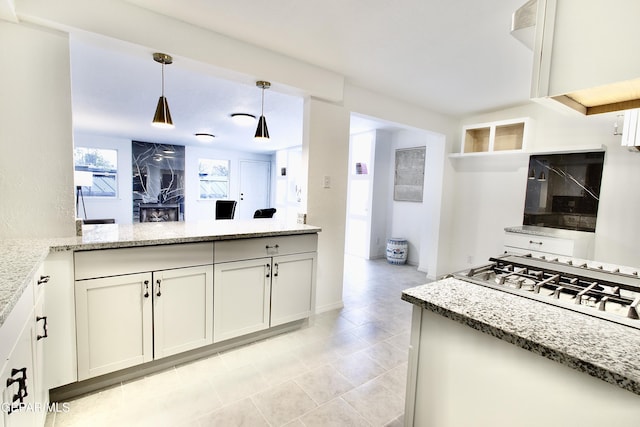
{"x":18,"y":381}
{"x":182,"y":310}
{"x":292,"y":287}
{"x":114,"y":323}
{"x":241,"y":296}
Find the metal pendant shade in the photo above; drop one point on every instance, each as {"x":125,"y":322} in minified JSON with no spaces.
{"x":162,"y":117}
{"x":262,"y":132}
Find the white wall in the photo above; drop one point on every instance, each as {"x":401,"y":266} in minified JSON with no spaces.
{"x":490,"y":191}
{"x":325,"y":150}
{"x":36,"y":168}
{"x":418,"y":222}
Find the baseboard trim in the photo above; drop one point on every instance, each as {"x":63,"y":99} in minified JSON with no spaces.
{"x":329,"y":307}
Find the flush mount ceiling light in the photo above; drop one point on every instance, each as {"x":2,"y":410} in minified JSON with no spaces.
{"x":204,"y":137}
{"x":243,"y":119}
{"x":162,"y":118}
{"x":262,"y":132}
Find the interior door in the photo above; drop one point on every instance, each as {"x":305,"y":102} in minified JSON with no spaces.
{"x":255,"y":183}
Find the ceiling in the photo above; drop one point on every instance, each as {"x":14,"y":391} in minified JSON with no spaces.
{"x":454,"y":57}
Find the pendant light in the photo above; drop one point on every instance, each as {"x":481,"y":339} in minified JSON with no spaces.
{"x":162,"y":118}
{"x":262,"y":132}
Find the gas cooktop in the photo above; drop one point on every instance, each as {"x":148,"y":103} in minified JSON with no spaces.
{"x":606,"y":291}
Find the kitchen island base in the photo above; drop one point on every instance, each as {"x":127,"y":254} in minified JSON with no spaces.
{"x":459,"y":376}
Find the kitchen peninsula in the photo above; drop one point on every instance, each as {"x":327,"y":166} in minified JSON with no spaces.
{"x":140,"y":297}
{"x":510,"y":360}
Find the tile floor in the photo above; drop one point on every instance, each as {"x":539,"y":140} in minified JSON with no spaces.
{"x":348,"y":369}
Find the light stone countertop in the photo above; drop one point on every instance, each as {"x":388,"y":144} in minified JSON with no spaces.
{"x":534,"y":230}
{"x":597,"y":347}
{"x":20,"y":258}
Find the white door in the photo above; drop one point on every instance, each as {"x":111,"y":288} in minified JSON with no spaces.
{"x":255,"y":182}
{"x":182,"y":310}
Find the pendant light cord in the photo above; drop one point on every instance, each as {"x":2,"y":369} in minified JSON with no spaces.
{"x":163,"y":79}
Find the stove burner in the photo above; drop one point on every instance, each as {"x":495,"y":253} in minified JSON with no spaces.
{"x":611,"y":295}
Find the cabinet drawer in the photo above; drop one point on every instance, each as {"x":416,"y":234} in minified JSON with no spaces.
{"x":235,"y":250}
{"x":528,"y":242}
{"x":115,"y":262}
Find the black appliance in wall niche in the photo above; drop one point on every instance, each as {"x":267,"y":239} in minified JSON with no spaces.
{"x":158,"y":182}
{"x":563,"y":190}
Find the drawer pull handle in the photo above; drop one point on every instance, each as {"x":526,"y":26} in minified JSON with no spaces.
{"x":158,"y":293}
{"x":44,"y":327}
{"x":276,"y":246}
{"x":268,"y":269}
{"x":146,"y":289}
{"x":534,"y":243}
{"x":275,"y":270}
{"x":43,"y":279}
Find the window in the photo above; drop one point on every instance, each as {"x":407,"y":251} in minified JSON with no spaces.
{"x":214,"y":178}
{"x":103,"y":166}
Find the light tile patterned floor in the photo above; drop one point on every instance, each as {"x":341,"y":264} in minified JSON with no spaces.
{"x":348,"y":369}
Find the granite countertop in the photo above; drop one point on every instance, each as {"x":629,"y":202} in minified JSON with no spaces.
{"x":20,"y":258}
{"x":600,"y":348}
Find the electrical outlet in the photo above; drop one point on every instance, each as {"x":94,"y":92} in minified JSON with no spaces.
{"x":326,"y":181}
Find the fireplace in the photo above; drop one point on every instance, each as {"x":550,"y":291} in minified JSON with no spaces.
{"x":154,"y":212}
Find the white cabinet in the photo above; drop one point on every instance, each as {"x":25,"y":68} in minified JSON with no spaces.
{"x":131,"y":317}
{"x":114,"y":323}
{"x":123,"y":321}
{"x":182,"y":310}
{"x":241,"y":297}
{"x":275,"y":287}
{"x":18,"y":381}
{"x":573,"y":244}
{"x":291,"y":287}
{"x":495,"y":137}
{"x":581,"y":55}
{"x":631,"y":130}
{"x":22,"y":336}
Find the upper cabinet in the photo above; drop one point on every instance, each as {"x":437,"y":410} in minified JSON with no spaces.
{"x":583,"y":55}
{"x":494,"y":137}
{"x":631,"y":130}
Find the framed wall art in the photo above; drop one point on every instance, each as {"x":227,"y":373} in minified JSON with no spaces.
{"x":409,"y":174}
